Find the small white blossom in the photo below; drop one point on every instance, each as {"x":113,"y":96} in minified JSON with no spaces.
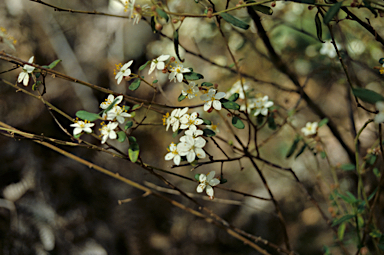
{"x":310,"y":128}
{"x":108,"y":131}
{"x":173,"y":154}
{"x":236,"y":88}
{"x":207,"y":182}
{"x":251,"y":104}
{"x":191,"y":147}
{"x":174,"y":119}
{"x":329,"y":49}
{"x":109,"y":101}
{"x":24,"y":75}
{"x":211,"y":99}
{"x":177,"y":73}
{"x":190,"y":90}
{"x":262,"y":104}
{"x":118,"y":113}
{"x":158,"y":63}
{"x":81,"y":126}
{"x":188,"y":121}
{"x":379,"y":118}
{"x":123,"y":71}
{"x":194,"y":132}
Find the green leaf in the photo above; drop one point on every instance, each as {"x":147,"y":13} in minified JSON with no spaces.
{"x":301,"y":150}
{"x":78,"y":135}
{"x":192,"y":76}
{"x":84,"y":115}
{"x":372,"y":195}
{"x":348,"y":167}
{"x":231,"y":65}
{"x":319,"y":29}
{"x":271,"y":122}
{"x":341,"y":231}
{"x":371,"y":159}
{"x":376,"y":172}
{"x":128,"y":125}
{"x":237,"y":122}
{"x":352,"y":197}
{"x":176,"y":44}
{"x":121,"y":136}
{"x":234,"y":21}
{"x":260,"y":119}
{"x":197,"y":177}
{"x":135,"y":107}
{"x":181,"y":97}
{"x":135,"y":84}
{"x":229,"y":104}
{"x":293,"y":147}
{"x":323,"y":122}
{"x":263,"y":9}
{"x":133,"y":151}
{"x":381,"y":61}
{"x":54,"y":63}
{"x":349,"y":200}
{"x":162,"y":14}
{"x":155,"y":81}
{"x":206,"y":84}
{"x":141,"y":68}
{"x":234,"y":97}
{"x":36,"y":85}
{"x":323,"y":154}
{"x":342,"y":219}
{"x":376,"y":233}
{"x":367,"y":95}
{"x":208,"y":132}
{"x":327,"y":251}
{"x":207,"y":122}
{"x":333,"y":10}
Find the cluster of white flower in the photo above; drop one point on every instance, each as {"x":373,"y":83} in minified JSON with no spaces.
{"x":310,"y":129}
{"x":191,"y":144}
{"x":115,"y":115}
{"x":259,"y":104}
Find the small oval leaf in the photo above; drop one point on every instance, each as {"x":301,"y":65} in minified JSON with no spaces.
{"x":133,"y":151}
{"x":144,"y":66}
{"x":54,"y":63}
{"x":176,"y":44}
{"x":135,"y":84}
{"x":128,"y":125}
{"x":234,"y":97}
{"x":121,"y":136}
{"x":84,"y":115}
{"x":319,"y":29}
{"x":367,"y":95}
{"x":208,"y":132}
{"x":181,"y":97}
{"x":162,"y":14}
{"x":192,"y":76}
{"x":237,"y":122}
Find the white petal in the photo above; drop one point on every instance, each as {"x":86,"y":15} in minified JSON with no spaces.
{"x":202,"y":178}
{"x":200,"y":153}
{"x":217,"y":105}
{"x":214,"y":182}
{"x":125,"y":66}
{"x":191,"y":156}
{"x":200,"y":187}
{"x":220,"y":95}
{"x":207,"y":106}
{"x":21,"y":76}
{"x":87,"y":129}
{"x":153,"y":66}
{"x":211,"y":175}
{"x":177,"y":160}
{"x":112,"y":135}
{"x":169,"y":156}
{"x":160,"y":66}
{"x":209,"y":191}
{"x":77,"y":130}
{"x":163,"y":57}
{"x":199,"y":142}
{"x":26,"y":80}
{"x":379,"y":118}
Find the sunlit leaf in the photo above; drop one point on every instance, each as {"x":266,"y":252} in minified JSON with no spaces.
{"x":367,"y":95}
{"x":341,"y":231}
{"x":144,"y":66}
{"x":323,"y":122}
{"x":133,"y":151}
{"x":54,"y":63}
{"x":121,"y":136}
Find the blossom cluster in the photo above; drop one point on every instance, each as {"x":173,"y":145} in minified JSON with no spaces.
{"x":114,"y":114}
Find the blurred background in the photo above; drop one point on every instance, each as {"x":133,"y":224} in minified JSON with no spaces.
{"x":53,"y":205}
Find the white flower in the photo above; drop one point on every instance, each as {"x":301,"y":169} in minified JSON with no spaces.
{"x":329,"y":49}
{"x":109,"y":100}
{"x":214,"y":128}
{"x":174,"y":119}
{"x":24,"y":75}
{"x":251,"y":104}
{"x":177,"y":73}
{"x":191,"y":147}
{"x":188,"y":121}
{"x":236,"y":88}
{"x":108,"y":131}
{"x":379,"y":118}
{"x":191,"y":90}
{"x":135,"y":12}
{"x":81,"y":126}
{"x":310,"y":128}
{"x":262,"y":104}
{"x":158,"y":63}
{"x":194,"y":132}
{"x":207,"y":182}
{"x":173,"y":154}
{"x":211,"y":99}
{"x":118,"y":113}
{"x":123,"y":71}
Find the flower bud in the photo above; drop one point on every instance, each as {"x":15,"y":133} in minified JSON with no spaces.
{"x":153,"y":8}
{"x":175,"y":21}
{"x":310,"y":7}
{"x":158,"y":26}
{"x":209,"y":14}
{"x":216,"y":85}
{"x":273,"y":4}
{"x":172,"y":59}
